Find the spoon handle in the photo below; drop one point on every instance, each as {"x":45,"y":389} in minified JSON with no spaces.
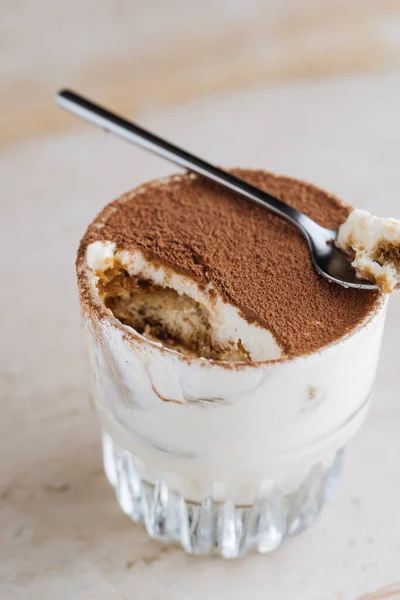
{"x":110,"y":122}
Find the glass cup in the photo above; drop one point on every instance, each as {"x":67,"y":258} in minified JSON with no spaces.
{"x":223,"y":457}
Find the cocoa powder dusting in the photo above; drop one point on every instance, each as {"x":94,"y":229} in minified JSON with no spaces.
{"x":255,"y":260}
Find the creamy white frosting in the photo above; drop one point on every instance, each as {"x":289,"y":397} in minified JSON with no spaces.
{"x":225,"y":320}
{"x":100,"y":255}
{"x":362,"y":234}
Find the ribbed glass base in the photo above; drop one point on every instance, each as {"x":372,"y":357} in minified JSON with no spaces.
{"x":217,"y":527}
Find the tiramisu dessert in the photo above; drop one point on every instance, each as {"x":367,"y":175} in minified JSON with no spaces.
{"x":226,"y":373}
{"x":374,"y":244}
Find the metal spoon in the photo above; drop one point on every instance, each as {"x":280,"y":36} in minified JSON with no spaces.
{"x":327,"y":259}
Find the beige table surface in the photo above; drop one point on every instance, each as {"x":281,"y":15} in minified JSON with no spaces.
{"x":137,"y":54}
{"x":61,"y":533}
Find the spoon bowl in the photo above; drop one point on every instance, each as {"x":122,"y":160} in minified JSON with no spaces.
{"x":328,"y":260}
{"x":336,"y":266}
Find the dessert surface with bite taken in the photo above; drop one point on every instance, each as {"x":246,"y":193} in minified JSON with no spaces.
{"x":191,"y":265}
